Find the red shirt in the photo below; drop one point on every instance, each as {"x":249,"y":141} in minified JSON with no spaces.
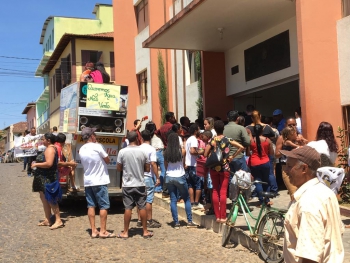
{"x":163,"y":132}
{"x":139,"y":137}
{"x":255,"y":159}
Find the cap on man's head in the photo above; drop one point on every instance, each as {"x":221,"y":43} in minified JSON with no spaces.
{"x":307,"y":155}
{"x":277,"y":112}
{"x":87,"y":132}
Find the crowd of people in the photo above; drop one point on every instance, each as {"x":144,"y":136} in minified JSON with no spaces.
{"x":171,"y":160}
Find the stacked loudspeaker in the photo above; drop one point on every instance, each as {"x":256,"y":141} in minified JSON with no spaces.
{"x":102,"y":124}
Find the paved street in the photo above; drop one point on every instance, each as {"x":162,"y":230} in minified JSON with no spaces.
{"x":23,"y":241}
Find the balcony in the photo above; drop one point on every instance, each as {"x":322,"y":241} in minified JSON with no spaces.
{"x":43,"y":118}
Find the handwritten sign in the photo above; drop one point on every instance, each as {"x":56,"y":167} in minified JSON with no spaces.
{"x":65,"y":120}
{"x":27,"y":146}
{"x":103,"y":97}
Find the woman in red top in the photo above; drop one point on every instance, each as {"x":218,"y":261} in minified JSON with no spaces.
{"x":261,"y":148}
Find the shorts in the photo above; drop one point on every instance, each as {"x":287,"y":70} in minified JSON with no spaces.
{"x":134,"y":196}
{"x":149,"y":182}
{"x":193,"y":181}
{"x":97,"y":196}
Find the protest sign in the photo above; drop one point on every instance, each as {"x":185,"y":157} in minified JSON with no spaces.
{"x":103,"y":97}
{"x":27,"y":146}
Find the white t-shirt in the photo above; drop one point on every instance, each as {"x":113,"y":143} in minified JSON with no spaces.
{"x":181,"y":142}
{"x":191,"y":160}
{"x":152,"y":156}
{"x":213,"y":132}
{"x":95,"y":169}
{"x":175,"y":169}
{"x":156,"y":142}
{"x":321,"y":147}
{"x":133,"y":158}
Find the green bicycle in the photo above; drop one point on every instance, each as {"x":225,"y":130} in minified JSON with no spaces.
{"x":269,"y":227}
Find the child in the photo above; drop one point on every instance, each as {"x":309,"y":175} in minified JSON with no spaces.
{"x":289,"y":136}
{"x":206,"y":136}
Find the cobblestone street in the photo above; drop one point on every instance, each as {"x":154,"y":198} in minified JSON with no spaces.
{"x":23,"y":241}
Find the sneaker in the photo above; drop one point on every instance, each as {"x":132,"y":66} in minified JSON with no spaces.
{"x":177,"y":226}
{"x":139,"y":224}
{"x":197,"y":206}
{"x":29,"y":175}
{"x":191,"y":225}
{"x":153,"y":224}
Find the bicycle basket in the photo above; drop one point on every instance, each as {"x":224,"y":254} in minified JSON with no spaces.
{"x":243,"y":179}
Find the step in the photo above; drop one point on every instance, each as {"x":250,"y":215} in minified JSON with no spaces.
{"x":241,"y":234}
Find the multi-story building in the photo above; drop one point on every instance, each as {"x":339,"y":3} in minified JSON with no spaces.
{"x":30,"y":111}
{"x":66,"y":45}
{"x":272,"y":54}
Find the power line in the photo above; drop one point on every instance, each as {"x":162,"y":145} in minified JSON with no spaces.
{"x":20,"y":58}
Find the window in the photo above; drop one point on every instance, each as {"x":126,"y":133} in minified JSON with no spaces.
{"x":66,"y":71}
{"x":191,"y":60}
{"x":345,"y":7}
{"x":142,"y":83}
{"x":111,"y":59}
{"x":141,"y":11}
{"x":90,"y":56}
{"x":346,"y":120}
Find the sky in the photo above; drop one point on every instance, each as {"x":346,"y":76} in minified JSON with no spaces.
{"x":20,"y":51}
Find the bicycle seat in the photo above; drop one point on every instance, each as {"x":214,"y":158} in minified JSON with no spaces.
{"x":268,"y":194}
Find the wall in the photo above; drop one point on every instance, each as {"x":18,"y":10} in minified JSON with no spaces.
{"x":102,"y":23}
{"x":215,"y":101}
{"x":235,"y":56}
{"x":142,"y":63}
{"x":125,"y":31}
{"x":318,"y":63}
{"x":106,"y":46}
{"x":343,"y":32}
{"x":31,"y":117}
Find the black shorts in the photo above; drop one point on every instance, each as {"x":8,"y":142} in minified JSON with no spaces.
{"x":134,"y":196}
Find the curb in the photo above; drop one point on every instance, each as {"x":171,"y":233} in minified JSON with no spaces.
{"x":208,"y":222}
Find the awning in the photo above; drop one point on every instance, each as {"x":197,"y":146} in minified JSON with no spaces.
{"x":218,"y":25}
{"x":44,"y":96}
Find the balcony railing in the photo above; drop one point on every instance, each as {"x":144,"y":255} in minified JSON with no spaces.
{"x":43,"y":117}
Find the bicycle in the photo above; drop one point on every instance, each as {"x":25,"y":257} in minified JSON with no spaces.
{"x":269,"y":227}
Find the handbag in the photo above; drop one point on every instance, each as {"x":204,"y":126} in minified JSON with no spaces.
{"x":201,"y":169}
{"x":53,"y":191}
{"x":215,"y":158}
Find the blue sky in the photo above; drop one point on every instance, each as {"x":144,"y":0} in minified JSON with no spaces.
{"x":20,"y":29}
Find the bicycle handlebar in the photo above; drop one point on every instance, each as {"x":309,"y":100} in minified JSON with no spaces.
{"x":251,"y":183}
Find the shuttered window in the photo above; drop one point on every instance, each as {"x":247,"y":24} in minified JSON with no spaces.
{"x":111,"y":59}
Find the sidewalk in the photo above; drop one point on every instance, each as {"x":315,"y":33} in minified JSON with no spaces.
{"x":241,"y":233}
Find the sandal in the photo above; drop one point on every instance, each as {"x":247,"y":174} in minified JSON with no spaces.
{"x":119,"y":236}
{"x":95,"y":236}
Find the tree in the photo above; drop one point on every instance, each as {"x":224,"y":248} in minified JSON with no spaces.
{"x":163,"y":88}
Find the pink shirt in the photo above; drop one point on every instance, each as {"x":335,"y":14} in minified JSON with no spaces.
{"x":96,"y":76}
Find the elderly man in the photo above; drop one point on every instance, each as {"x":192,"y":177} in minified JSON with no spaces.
{"x":94,"y":160}
{"x":313,"y":228}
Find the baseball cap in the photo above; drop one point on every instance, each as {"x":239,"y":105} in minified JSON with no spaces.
{"x":87,"y":132}
{"x":277,"y":112}
{"x":307,"y":155}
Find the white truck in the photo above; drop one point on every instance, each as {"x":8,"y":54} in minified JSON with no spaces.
{"x":101,"y":106}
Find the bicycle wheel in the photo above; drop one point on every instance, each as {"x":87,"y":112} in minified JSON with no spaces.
{"x":270,"y":237}
{"x":228,"y":226}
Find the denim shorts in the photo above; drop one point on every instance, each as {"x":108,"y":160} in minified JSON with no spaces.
{"x":193,"y":181}
{"x":149,"y":182}
{"x":97,"y":196}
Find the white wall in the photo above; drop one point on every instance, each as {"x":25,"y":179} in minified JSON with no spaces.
{"x":235,"y":56}
{"x":143,"y":60}
{"x":343,"y":30}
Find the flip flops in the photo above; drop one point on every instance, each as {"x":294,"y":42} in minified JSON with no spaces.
{"x":150,"y":234}
{"x":95,"y":236}
{"x":53,"y":227}
{"x":110,"y":235}
{"x":119,"y":236}
{"x":43,"y":224}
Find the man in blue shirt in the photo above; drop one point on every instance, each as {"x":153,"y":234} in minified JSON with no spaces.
{"x":278,"y":120}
